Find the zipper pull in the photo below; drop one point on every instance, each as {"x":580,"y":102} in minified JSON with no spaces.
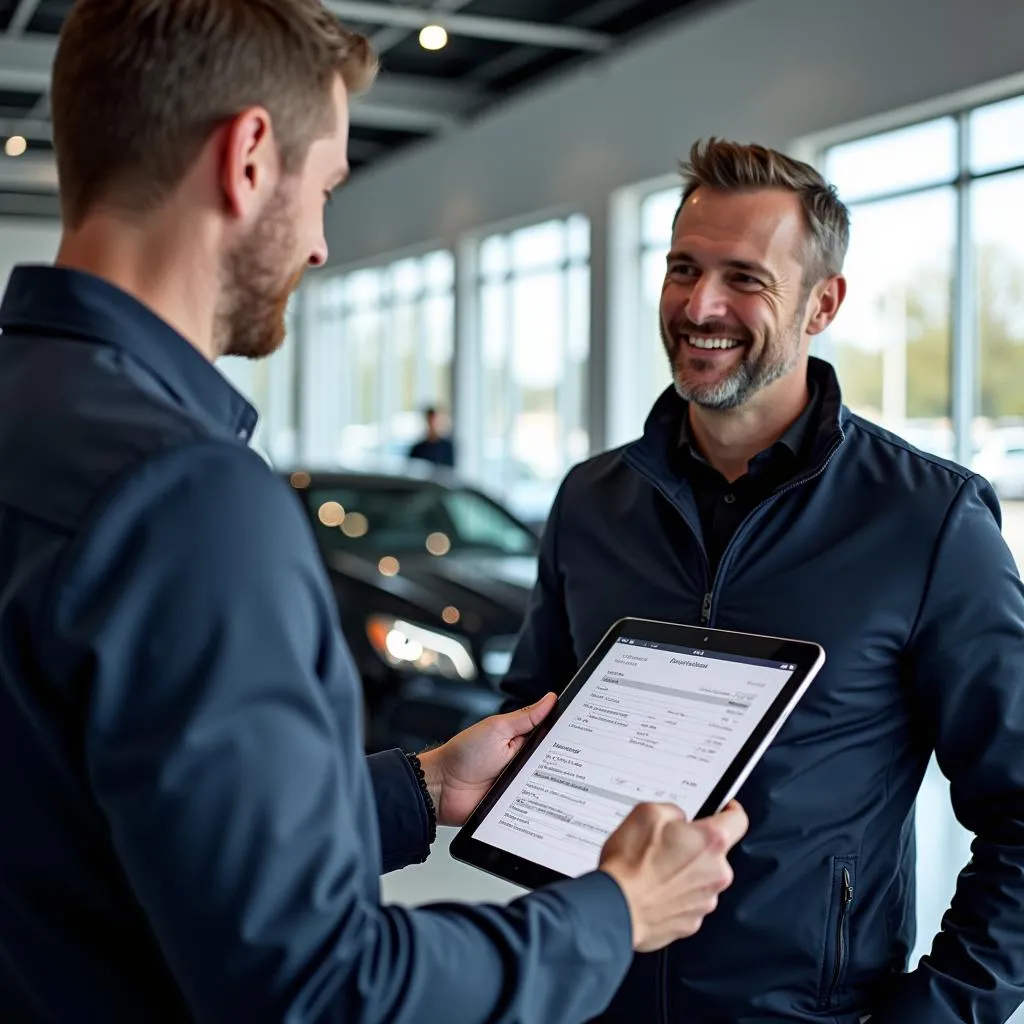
{"x":847,"y":888}
{"x":705,"y":610}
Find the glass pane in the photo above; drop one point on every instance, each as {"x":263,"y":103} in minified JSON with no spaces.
{"x":494,"y":256}
{"x":999,"y":269}
{"x":574,"y":401}
{"x":579,"y":238}
{"x":655,"y":375}
{"x":365,"y":287}
{"x":921,"y":155}
{"x":439,"y":328}
{"x":891,"y":341}
{"x":657,"y":212}
{"x":406,"y":349}
{"x":997,"y":136}
{"x":540,"y":245}
{"x":439,"y":271}
{"x":406,"y":278}
{"x":494,"y":331}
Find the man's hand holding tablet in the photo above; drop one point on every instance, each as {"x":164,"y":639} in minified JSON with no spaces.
{"x":671,"y":870}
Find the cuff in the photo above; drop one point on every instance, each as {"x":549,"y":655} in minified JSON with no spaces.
{"x":401,"y":813}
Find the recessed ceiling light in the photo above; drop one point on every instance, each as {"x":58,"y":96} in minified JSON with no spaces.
{"x":15,"y":146}
{"x":433,"y":37}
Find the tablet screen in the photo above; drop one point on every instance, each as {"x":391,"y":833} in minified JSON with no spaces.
{"x":653,"y":722}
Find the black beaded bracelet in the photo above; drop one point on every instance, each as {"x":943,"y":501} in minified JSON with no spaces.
{"x":417,"y":768}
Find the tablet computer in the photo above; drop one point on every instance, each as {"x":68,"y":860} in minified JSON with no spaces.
{"x":659,"y":712}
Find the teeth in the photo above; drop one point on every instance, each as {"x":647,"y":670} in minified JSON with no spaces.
{"x":713,"y":342}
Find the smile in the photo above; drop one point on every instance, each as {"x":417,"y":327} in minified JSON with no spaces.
{"x":712,"y":343}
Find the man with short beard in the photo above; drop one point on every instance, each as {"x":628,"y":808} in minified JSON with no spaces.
{"x":755,"y":501}
{"x":190,"y":830}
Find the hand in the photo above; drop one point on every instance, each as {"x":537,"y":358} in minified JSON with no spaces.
{"x":671,"y":870}
{"x":461,"y":771}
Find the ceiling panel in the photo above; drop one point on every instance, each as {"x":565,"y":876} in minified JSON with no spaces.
{"x":495,"y":47}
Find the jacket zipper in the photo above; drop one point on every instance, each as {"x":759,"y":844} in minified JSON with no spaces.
{"x":844,"y":910}
{"x":709,"y":598}
{"x":705,"y":621}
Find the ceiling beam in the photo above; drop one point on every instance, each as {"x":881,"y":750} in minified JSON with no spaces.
{"x":23,"y":14}
{"x":503,"y":30}
{"x":388,"y":38}
{"x":405,"y":102}
{"x":25,"y":62}
{"x":29,"y":172}
{"x":32,"y":129}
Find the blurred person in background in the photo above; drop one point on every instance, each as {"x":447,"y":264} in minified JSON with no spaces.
{"x":436,"y":446}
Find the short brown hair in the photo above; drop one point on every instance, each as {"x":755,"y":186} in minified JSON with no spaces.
{"x":140,"y":85}
{"x":732,"y":167}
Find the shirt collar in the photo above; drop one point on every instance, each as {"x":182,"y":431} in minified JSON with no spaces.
{"x":794,"y":442}
{"x":78,"y":305}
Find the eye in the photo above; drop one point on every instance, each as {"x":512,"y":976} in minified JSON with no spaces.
{"x":687,"y":270}
{"x":747,"y":282}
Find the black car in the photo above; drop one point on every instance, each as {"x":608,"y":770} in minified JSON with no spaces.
{"x":432,"y":580}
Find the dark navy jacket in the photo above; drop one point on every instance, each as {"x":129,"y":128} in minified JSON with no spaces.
{"x":894,"y":562}
{"x":188,"y":827}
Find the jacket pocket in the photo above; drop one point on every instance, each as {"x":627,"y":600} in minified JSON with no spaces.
{"x":836,"y":957}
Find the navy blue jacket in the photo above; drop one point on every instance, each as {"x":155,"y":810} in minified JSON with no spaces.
{"x":188,"y":827}
{"x":894,"y":562}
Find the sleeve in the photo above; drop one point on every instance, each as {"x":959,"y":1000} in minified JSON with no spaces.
{"x":402,"y":820}
{"x":194,"y":618}
{"x":544,"y":659}
{"x":968,"y":677}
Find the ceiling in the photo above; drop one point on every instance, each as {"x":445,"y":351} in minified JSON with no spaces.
{"x":495,"y":48}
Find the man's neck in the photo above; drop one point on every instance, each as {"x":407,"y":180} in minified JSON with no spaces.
{"x":157,"y":267}
{"x":729,"y":439}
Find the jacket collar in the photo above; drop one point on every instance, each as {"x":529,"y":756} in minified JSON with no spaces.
{"x":58,"y":301}
{"x":654,"y":452}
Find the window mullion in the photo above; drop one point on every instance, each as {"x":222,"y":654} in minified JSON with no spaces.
{"x":964,"y":319}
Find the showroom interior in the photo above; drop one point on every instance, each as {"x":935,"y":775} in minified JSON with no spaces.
{"x":499,"y":250}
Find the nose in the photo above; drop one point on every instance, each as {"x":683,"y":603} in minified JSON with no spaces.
{"x":707,"y":301}
{"x":318,"y":257}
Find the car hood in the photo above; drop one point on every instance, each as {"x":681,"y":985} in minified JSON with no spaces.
{"x":491,"y":587}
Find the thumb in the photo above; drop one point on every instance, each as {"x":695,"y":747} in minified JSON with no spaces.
{"x":526,"y":719}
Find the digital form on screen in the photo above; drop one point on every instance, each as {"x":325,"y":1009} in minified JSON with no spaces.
{"x":652,"y":723}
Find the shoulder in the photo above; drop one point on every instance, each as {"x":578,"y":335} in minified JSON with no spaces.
{"x":875,"y":448}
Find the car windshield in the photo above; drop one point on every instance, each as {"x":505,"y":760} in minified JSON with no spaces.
{"x":378,"y":519}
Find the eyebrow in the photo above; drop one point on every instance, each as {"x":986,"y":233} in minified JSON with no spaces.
{"x":747,"y":266}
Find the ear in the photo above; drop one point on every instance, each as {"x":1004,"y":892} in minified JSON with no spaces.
{"x":824,"y":303}
{"x":249,"y":162}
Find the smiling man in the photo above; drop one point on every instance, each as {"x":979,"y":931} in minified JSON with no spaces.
{"x":755,"y":501}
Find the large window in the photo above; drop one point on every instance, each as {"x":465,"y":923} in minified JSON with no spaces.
{"x":377,"y":348}
{"x":931,"y":339}
{"x":533,"y":340}
{"x":638,"y":369}
{"x":270,"y":385}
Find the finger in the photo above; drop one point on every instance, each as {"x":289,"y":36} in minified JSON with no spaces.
{"x":528,"y":718}
{"x":728,"y":827}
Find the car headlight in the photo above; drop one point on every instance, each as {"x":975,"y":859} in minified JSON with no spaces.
{"x":417,"y":648}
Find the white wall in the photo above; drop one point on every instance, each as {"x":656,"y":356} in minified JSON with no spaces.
{"x":764,"y":70}
{"x":26,"y":241}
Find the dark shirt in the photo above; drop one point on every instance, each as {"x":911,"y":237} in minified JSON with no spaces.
{"x":441,"y":452}
{"x":189,"y":829}
{"x":722,"y":506}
